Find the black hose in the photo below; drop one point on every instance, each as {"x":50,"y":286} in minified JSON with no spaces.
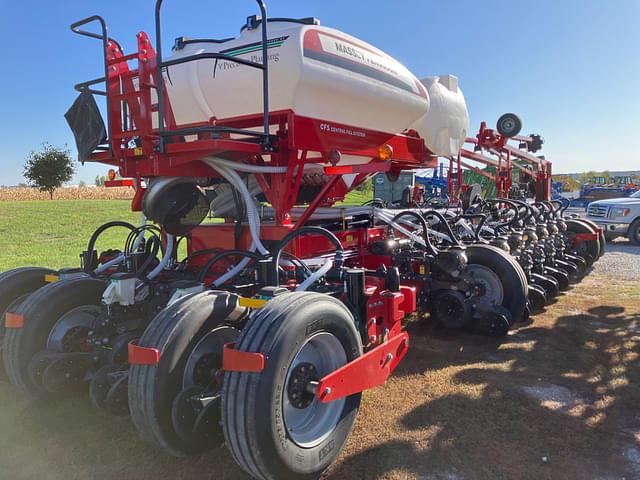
{"x":297,"y":232}
{"x":527,"y":207}
{"x":137,"y":231}
{"x":556,"y":210}
{"x":291,"y":257}
{"x":425,"y":232}
{"x":543,"y":210}
{"x":151,"y":250}
{"x":513,"y":206}
{"x":197,"y":253}
{"x":483,"y":218}
{"x":245,"y":253}
{"x":440,"y":217}
{"x":99,"y":231}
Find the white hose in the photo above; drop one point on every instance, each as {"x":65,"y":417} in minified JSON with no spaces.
{"x":121,"y":257}
{"x":234,"y":271}
{"x":315,"y":276}
{"x":252,"y":213}
{"x":110,"y":263}
{"x":243,"y":167}
{"x":253,"y":218}
{"x":166,"y":258}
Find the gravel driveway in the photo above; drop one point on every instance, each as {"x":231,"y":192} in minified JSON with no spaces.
{"x":621,"y":259}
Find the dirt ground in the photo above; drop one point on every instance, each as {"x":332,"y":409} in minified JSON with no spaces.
{"x":559,"y":398}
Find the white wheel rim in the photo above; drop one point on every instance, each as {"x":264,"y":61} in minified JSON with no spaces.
{"x":309,"y":426}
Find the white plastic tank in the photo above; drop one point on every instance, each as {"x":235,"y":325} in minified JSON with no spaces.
{"x":318,"y":72}
{"x":315,"y":71}
{"x":444,"y":127}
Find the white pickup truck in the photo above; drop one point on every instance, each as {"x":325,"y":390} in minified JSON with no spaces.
{"x":617,"y":216}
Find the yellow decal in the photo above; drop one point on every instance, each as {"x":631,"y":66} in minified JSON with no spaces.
{"x":251,"y":302}
{"x":421,"y":269}
{"x":51,"y":278}
{"x":349,"y":238}
{"x":137,"y":151}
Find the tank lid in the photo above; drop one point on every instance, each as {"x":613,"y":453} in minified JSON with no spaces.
{"x":254,"y":21}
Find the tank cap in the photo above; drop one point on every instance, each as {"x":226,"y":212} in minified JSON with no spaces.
{"x":254,"y":21}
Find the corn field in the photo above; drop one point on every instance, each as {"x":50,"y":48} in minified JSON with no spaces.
{"x":66,"y":193}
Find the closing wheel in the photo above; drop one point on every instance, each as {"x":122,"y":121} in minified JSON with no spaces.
{"x":181,"y":332}
{"x":602,"y":239}
{"x":549,"y":284}
{"x":579,"y":262}
{"x":15,"y":286}
{"x":273,"y":423}
{"x":69,"y":305}
{"x":537,"y":298}
{"x":499,"y":278}
{"x":509,"y":125}
{"x":561,"y":276}
{"x":589,"y":250}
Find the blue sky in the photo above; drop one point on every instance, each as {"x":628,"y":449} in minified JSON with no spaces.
{"x":570,"y":69}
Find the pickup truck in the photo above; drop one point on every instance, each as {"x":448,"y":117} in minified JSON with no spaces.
{"x":617,"y":216}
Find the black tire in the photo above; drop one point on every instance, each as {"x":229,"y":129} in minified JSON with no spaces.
{"x":510,"y":273}
{"x":509,"y":125}
{"x":254,"y":406}
{"x":602,"y":239}
{"x":589,"y":250}
{"x":15,"y":286}
{"x":175,"y":331}
{"x":634,"y":232}
{"x":41,"y":311}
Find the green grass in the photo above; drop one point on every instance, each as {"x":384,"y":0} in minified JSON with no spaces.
{"x":356,"y":197}
{"x":54,"y":233}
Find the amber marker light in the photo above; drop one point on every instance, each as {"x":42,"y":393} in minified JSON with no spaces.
{"x":385,"y":152}
{"x":111,"y":174}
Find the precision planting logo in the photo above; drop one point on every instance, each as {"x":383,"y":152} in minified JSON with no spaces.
{"x":249,"y":48}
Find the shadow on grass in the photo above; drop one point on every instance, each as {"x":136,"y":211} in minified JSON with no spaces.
{"x":570,"y":393}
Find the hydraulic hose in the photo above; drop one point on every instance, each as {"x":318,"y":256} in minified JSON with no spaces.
{"x":245,"y":253}
{"x":423,"y":223}
{"x":512,"y":206}
{"x":476,"y":232}
{"x":440,"y":217}
{"x":315,"y":276}
{"x":98,"y":232}
{"x":295,"y":233}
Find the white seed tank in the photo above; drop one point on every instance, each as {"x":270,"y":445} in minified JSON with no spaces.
{"x":317,"y":72}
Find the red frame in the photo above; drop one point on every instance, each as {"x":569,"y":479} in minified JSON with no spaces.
{"x":491,"y":141}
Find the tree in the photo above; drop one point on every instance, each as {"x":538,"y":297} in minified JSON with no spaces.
{"x":82,"y":184}
{"x":587,"y":176}
{"x":99,"y":180}
{"x":49,"y":168}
